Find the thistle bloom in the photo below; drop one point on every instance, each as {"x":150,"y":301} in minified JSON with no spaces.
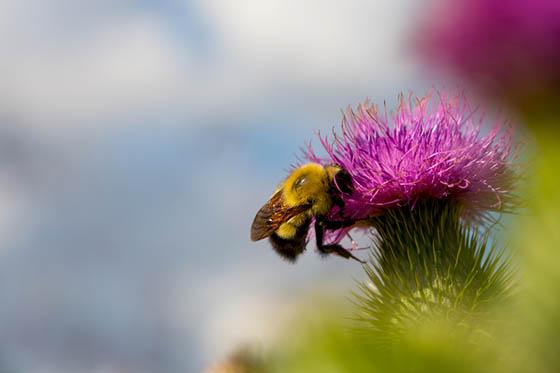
{"x":424,"y":176}
{"x":427,"y":149}
{"x":508,"y":48}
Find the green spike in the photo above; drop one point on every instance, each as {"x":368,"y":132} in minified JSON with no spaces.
{"x":428,"y":264}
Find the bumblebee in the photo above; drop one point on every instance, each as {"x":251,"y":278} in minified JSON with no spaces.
{"x":308,"y":194}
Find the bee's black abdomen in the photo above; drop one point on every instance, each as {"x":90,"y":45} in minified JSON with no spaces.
{"x":287,"y":249}
{"x":292,"y":248}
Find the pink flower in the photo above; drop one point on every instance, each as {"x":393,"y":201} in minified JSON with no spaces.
{"x":429,"y":148}
{"x":510,"y":48}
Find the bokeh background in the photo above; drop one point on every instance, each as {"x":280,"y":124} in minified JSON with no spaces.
{"x":138,"y":139}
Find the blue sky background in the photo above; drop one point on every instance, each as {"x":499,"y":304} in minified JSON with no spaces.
{"x":138,"y":139}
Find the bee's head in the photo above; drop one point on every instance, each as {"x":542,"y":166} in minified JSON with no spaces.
{"x":306,"y":184}
{"x":339,"y":178}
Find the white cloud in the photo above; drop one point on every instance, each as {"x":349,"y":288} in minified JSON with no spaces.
{"x":313,"y":40}
{"x":66,"y":67}
{"x":123,"y":66}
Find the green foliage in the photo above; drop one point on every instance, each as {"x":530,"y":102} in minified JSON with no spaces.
{"x":538,"y":242}
{"x":428,"y":265}
{"x":321,"y":341}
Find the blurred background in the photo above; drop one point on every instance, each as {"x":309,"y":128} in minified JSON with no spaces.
{"x":138,"y":139}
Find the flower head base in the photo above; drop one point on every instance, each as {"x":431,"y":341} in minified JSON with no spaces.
{"x":427,"y":149}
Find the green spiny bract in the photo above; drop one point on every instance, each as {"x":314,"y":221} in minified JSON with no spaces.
{"x":428,"y":265}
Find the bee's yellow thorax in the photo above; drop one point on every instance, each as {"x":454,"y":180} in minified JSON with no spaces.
{"x":314,"y":190}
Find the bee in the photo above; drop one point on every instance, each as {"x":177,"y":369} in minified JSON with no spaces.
{"x":308,"y":194}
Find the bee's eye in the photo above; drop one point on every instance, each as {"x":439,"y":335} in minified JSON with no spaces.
{"x":343,"y":181}
{"x":300,"y":181}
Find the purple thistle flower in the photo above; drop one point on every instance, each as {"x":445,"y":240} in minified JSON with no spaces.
{"x":510,"y":48}
{"x":426,"y":149}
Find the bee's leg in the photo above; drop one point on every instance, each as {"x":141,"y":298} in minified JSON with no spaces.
{"x":355,"y":244}
{"x":341,"y":251}
{"x":332,"y":248}
{"x":352,"y":241}
{"x":337,"y":201}
{"x":333,"y":225}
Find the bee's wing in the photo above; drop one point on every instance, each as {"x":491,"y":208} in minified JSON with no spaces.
{"x":272,"y":215}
